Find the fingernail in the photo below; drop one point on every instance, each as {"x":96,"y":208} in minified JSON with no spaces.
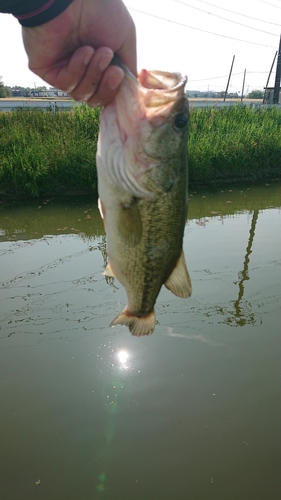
{"x":104,"y":61}
{"x":114,"y":81}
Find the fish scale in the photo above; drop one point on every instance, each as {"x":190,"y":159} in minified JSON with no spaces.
{"x":143,"y":149}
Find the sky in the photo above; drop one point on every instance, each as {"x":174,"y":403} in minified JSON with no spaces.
{"x":195,"y":37}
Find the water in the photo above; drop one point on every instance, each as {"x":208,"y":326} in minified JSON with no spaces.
{"x":191,"y":412}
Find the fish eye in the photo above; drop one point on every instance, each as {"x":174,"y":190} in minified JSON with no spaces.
{"x":180,"y":120}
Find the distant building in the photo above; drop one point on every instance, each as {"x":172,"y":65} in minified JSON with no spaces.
{"x":52,"y":92}
{"x":39,"y":94}
{"x":268,"y":98}
{"x":20,"y":93}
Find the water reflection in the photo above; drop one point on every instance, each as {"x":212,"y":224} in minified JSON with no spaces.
{"x":242,"y":317}
{"x":54,"y":216}
{"x":106,"y":414}
{"x":243,"y":312}
{"x":48,"y":272}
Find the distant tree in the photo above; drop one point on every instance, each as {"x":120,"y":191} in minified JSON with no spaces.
{"x":3,"y":92}
{"x":18,"y":91}
{"x":255,"y":94}
{"x":9,"y":92}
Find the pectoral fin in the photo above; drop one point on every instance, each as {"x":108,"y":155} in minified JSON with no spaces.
{"x":102,"y":212}
{"x":130,"y":224}
{"x":108,"y":271}
{"x":179,"y":281}
{"x":100,"y":207}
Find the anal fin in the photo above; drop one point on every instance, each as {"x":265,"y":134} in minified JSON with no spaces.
{"x":138,"y":325}
{"x":179,"y":281}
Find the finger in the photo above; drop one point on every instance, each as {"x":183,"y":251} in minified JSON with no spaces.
{"x":108,"y":87}
{"x":128,"y":52}
{"x":67,"y":73}
{"x":90,"y":82}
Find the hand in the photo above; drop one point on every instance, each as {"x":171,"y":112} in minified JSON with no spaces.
{"x":73,"y":51}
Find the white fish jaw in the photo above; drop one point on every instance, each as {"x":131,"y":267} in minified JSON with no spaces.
{"x":140,"y":106}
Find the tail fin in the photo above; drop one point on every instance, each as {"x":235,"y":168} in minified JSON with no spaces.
{"x":138,"y":325}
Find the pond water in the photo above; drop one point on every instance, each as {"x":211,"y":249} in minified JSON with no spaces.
{"x":190,"y":412}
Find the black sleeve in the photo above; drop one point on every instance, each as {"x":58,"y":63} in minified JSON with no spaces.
{"x":34,"y":12}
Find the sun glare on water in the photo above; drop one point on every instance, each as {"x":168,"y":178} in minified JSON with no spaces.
{"x":123,"y":357}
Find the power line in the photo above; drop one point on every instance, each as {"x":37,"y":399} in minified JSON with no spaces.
{"x":225,"y":76}
{"x":221,"y":87}
{"x":271,"y":4}
{"x":224,"y":18}
{"x":214,"y":77}
{"x":200,"y":29}
{"x":239,"y":14}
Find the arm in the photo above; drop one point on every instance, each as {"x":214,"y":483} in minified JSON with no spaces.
{"x":73,"y":50}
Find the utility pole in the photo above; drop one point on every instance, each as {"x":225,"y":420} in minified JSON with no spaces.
{"x":277,"y":76}
{"x":242,"y":95}
{"x":229,"y":78}
{"x":268,"y":78}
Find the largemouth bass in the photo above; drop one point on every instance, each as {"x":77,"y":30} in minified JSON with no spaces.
{"x":142,"y":183}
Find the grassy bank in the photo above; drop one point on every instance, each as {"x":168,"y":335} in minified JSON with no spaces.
{"x":234,"y":143}
{"x":40,"y":153}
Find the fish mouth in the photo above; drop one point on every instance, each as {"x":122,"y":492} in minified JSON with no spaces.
{"x":154,"y":89}
{"x":162,"y":95}
{"x":161,"y":88}
{"x":159,"y":94}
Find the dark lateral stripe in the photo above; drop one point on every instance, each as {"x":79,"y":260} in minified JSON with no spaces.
{"x":45,"y":13}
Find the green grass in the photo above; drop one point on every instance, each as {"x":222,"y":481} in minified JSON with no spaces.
{"x":234,"y":143}
{"x":41,"y":153}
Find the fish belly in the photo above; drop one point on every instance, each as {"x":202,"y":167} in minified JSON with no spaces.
{"x":144,"y":249}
